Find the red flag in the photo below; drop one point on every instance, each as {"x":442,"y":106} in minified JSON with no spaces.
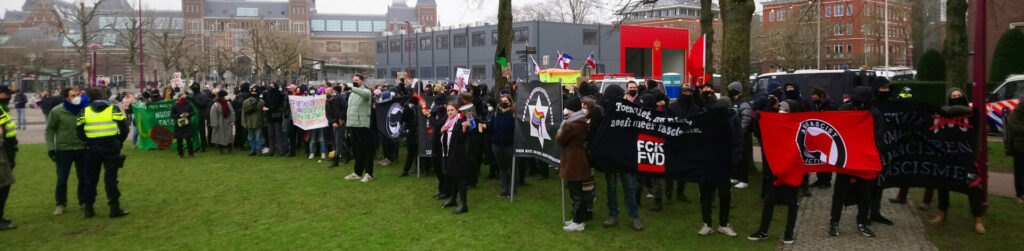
{"x":695,"y":63}
{"x":806,"y":142}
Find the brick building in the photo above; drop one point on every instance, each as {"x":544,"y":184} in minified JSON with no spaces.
{"x":684,"y":14}
{"x":1001,"y":15}
{"x":852,"y":35}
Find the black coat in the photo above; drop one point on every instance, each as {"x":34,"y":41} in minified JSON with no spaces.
{"x":453,"y":150}
{"x":176,"y":111}
{"x":203,"y":101}
{"x":337,"y":108}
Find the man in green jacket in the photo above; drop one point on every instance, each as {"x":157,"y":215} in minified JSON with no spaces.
{"x":64,"y":145}
{"x":358,"y":123}
{"x":252,"y":120}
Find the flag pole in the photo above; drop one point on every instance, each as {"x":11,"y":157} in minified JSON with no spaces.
{"x":512,"y":194}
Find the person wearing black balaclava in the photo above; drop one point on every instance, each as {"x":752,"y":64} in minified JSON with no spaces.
{"x":958,"y":106}
{"x":241,"y":135}
{"x":203,"y":101}
{"x":792,"y":92}
{"x":883,"y":94}
{"x":686,"y":105}
{"x":274,"y":107}
{"x":821,"y":103}
{"x":743,"y":109}
{"x":846,"y":184}
{"x":771,"y":193}
{"x":655,"y":184}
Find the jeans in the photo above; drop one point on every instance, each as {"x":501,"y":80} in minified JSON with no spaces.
{"x":314,"y":136}
{"x":842,"y":190}
{"x":503,"y":161}
{"x":628,"y":189}
{"x":274,"y":137}
{"x":363,"y":151}
{"x":22,"y":124}
{"x":775,"y":194}
{"x":707,"y":196}
{"x":254,"y":140}
{"x":1018,"y":174}
{"x":94,"y":164}
{"x":580,"y":201}
{"x":64,"y":161}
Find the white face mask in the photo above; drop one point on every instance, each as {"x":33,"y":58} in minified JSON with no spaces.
{"x":76,"y":100}
{"x":782,"y":111}
{"x":490,"y":108}
{"x":584,"y":110}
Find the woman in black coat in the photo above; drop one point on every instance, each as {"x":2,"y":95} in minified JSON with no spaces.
{"x":183,"y":131}
{"x":453,"y":156}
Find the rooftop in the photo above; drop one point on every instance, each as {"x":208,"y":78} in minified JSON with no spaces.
{"x":232,"y":9}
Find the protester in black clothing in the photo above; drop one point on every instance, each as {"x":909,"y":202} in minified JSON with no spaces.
{"x":241,"y":94}
{"x":502,"y":129}
{"x":792,"y":92}
{"x":453,"y":155}
{"x":822,"y":103}
{"x":774,"y":194}
{"x":709,"y":186}
{"x":846,"y":184}
{"x":883,"y":94}
{"x":183,"y":128}
{"x":476,"y":113}
{"x":337,"y":106}
{"x":438,"y":115}
{"x":274,"y":105}
{"x":742,"y":107}
{"x":685,"y":105}
{"x":957,"y":105}
{"x":203,"y":101}
{"x":412,"y":153}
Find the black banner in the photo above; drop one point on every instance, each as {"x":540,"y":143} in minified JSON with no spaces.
{"x":634,"y":139}
{"x":924,"y":146}
{"x":538,"y":116}
{"x":423,"y":126}
{"x":390,"y":123}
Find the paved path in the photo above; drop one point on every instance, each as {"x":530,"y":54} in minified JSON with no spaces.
{"x":908,"y":232}
{"x":36,"y":126}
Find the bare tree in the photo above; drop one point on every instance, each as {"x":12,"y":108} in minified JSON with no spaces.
{"x":170,"y":49}
{"x":282,"y":50}
{"x":128,"y":34}
{"x":543,"y":11}
{"x":77,"y":25}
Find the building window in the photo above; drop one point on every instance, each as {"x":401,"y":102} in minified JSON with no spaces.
{"x":459,"y":40}
{"x":521,"y":35}
{"x":425,"y":44}
{"x":494,"y":37}
{"x":838,"y":30}
{"x":781,"y":15}
{"x":426,"y":72}
{"x":839,"y":11}
{"x":380,"y":48}
{"x":394,"y":72}
{"x":396,"y":46}
{"x":849,"y":29}
{"x":441,"y":42}
{"x":479,"y":72}
{"x":478,"y":39}
{"x":771,"y":16}
{"x":333,"y":25}
{"x":442,"y":72}
{"x":410,"y":44}
{"x":348,"y":25}
{"x":246,"y":12}
{"x":849,"y":48}
{"x":828,"y":11}
{"x":849,"y":9}
{"x":315,"y":25}
{"x":297,"y":27}
{"x":589,"y":37}
{"x":365,"y":26}
{"x":379,"y":26}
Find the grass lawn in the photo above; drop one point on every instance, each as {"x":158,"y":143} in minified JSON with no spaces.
{"x":998,"y":161}
{"x":240,"y":202}
{"x":1004,"y":221}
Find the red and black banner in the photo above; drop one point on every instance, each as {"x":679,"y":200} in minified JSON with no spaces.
{"x":635,"y":139}
{"x":805,"y":142}
{"x":924,"y":146}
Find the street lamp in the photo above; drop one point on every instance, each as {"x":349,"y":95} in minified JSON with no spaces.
{"x":92,"y":75}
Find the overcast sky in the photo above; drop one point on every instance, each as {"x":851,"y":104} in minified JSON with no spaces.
{"x":450,"y":12}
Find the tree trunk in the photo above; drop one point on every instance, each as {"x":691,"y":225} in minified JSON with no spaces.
{"x":736,"y":17}
{"x":706,"y":27}
{"x":504,"y":48}
{"x":955,"y":46}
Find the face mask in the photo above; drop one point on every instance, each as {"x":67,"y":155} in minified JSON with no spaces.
{"x":490,"y":109}
{"x":565,"y":111}
{"x":782,"y":111}
{"x":503,"y":105}
{"x":76,"y":100}
{"x":632,"y":93}
{"x":584,"y":110}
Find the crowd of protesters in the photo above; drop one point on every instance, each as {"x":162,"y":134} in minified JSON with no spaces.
{"x":476,"y":126}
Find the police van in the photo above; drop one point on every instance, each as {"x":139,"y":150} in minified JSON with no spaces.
{"x":1003,"y":99}
{"x":837,"y":83}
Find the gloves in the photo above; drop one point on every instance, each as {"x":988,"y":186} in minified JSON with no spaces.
{"x":52,"y":154}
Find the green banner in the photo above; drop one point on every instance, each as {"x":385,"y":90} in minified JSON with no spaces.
{"x":156,"y":126}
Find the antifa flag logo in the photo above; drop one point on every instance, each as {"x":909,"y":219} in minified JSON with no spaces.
{"x":538,"y":112}
{"x":820,"y":143}
{"x":650,"y":153}
{"x":394,"y":120}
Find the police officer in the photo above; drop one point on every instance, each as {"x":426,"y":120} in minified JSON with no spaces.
{"x":103,"y":127}
{"x":10,"y":145}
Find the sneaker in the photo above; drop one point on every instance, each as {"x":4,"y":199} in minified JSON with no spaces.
{"x":5,"y":224}
{"x":367,"y":178}
{"x":865,"y":231}
{"x":705,"y":230}
{"x":758,"y":236}
{"x":881,"y":219}
{"x":833,"y":229}
{"x":637,"y":225}
{"x":574,"y":227}
{"x":741,"y":185}
{"x":385,"y":162}
{"x":266,"y":150}
{"x":59,"y":210}
{"x":310,"y":156}
{"x":898,"y":201}
{"x":924,"y":206}
{"x":352,"y":176}
{"x":650,"y":195}
{"x":323,"y":155}
{"x":727,"y":230}
{"x":610,"y":222}
{"x":788,"y":240}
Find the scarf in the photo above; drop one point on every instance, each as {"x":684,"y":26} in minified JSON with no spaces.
{"x":225,"y":111}
{"x":181,"y":101}
{"x":75,"y":109}
{"x":573,"y":117}
{"x":451,"y":121}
